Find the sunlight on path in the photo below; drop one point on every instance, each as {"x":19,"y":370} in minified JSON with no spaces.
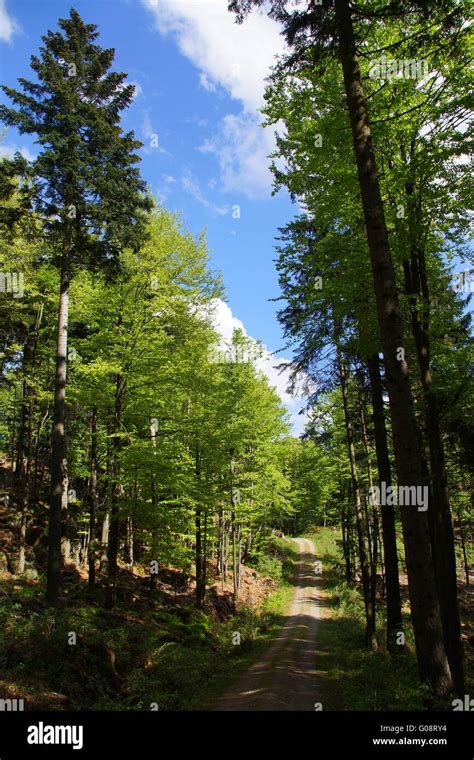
{"x":285,"y":677}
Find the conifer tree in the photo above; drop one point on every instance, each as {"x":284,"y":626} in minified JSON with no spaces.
{"x":88,"y":194}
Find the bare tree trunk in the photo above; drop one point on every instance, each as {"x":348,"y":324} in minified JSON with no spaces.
{"x":130,"y":542}
{"x":220,"y":543}
{"x":104,"y":538}
{"x":130,"y":525}
{"x":225,"y":566}
{"x":235,"y":563}
{"x":346,"y":549}
{"x":59,"y":476}
{"x":23,"y":475}
{"x":13,"y":440}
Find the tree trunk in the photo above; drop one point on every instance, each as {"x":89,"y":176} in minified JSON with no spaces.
{"x":200,"y":587}
{"x":199,"y":569}
{"x":204,"y":559}
{"x":92,"y":498}
{"x":463,"y":545}
{"x":225,"y":566}
{"x":23,"y":474}
{"x":392,"y":580}
{"x":59,"y":477}
{"x":346,"y":549}
{"x":235,"y":563}
{"x":373,"y":554}
{"x":370,"y":637}
{"x":220,"y":543}
{"x":154,"y":502}
{"x":13,"y":439}
{"x":442,"y":532}
{"x":425,"y":611}
{"x":130,"y":552}
{"x":116,"y":492}
{"x":104,"y":536}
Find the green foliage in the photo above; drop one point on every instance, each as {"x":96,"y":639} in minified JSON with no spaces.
{"x":390,"y":682}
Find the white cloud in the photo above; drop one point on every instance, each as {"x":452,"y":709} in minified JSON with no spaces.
{"x":8,"y":25}
{"x":168,"y":178}
{"x":238,"y":58}
{"x":242,"y":148}
{"x":138,"y":90}
{"x":147,"y":129}
{"x":206,"y":83}
{"x":191,"y":185}
{"x":225,"y":323}
{"x":8,"y":151}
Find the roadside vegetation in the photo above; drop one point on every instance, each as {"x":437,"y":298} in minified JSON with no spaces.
{"x":158,"y":655}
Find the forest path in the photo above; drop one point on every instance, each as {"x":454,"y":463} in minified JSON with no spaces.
{"x":285,"y":677}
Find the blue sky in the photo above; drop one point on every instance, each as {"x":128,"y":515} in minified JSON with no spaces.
{"x":199,"y":83}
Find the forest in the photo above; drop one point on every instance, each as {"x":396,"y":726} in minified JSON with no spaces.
{"x":159,"y":518}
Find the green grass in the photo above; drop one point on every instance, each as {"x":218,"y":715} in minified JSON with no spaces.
{"x":351,"y":677}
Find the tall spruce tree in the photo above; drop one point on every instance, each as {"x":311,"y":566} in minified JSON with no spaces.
{"x":88,"y":193}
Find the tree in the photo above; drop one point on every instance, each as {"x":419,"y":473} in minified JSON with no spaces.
{"x":88,"y":193}
{"x":317,"y":34}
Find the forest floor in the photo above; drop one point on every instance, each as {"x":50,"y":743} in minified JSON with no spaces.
{"x":300,"y":642}
{"x":152,"y":652}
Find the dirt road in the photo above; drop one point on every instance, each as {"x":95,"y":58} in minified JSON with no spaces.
{"x":284,"y":678}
